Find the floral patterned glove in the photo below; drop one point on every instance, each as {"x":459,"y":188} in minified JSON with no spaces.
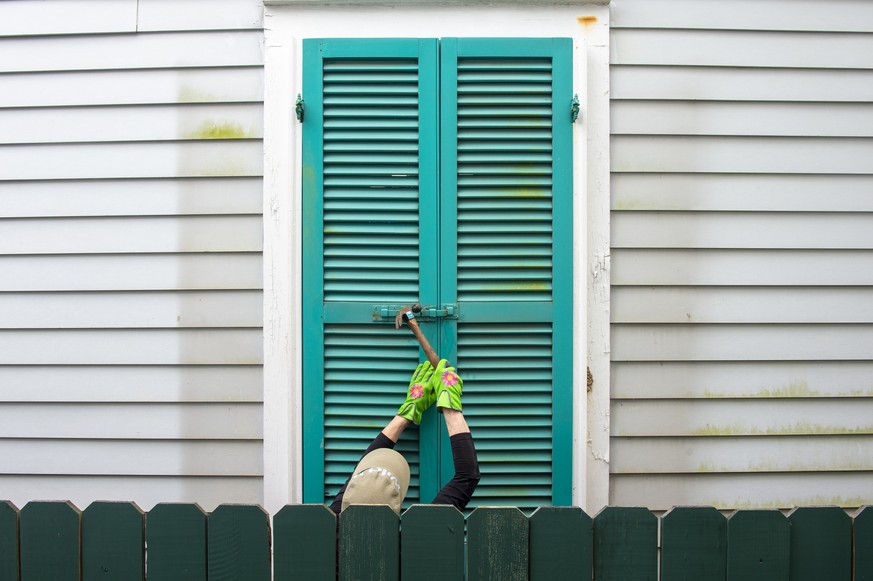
{"x":447,"y":385}
{"x":420,"y":395}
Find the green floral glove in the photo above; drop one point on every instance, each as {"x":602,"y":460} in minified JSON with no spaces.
{"x":420,"y":395}
{"x":447,"y":385}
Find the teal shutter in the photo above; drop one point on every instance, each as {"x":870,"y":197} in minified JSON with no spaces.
{"x":506,"y":250}
{"x":369,"y":198}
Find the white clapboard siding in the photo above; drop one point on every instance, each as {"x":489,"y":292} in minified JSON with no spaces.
{"x":742,"y":253}
{"x":131,"y":341}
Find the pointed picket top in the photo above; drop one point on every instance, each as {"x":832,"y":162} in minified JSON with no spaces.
{"x":176,"y":540}
{"x":369,"y":543}
{"x":112,"y":541}
{"x":625,"y":544}
{"x":758,"y":546}
{"x":497,"y":544}
{"x":561,"y":543}
{"x":50,"y":541}
{"x":304,"y":543}
{"x":432,"y":543}
{"x":8,"y":540}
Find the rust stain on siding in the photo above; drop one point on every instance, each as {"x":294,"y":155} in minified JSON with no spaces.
{"x":587,"y":21}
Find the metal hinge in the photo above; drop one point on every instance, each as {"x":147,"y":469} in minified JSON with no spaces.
{"x":428,"y":313}
{"x":574,"y":108}
{"x":298,"y":108}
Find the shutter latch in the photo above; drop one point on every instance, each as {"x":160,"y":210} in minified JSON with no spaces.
{"x":382,"y":313}
{"x":298,"y":108}
{"x":574,"y":108}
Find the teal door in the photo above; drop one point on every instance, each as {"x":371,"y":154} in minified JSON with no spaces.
{"x":439,"y":172}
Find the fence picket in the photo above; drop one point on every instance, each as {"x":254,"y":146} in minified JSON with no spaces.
{"x":176,"y":540}
{"x":821,"y":544}
{"x":238,"y":543}
{"x":625,"y":544}
{"x":304,"y":543}
{"x":432,"y":543}
{"x":561,"y":544}
{"x":497,"y":544}
{"x":758,"y":546}
{"x":50,"y":541}
{"x":112,"y":542}
{"x":369,"y":543}
{"x":693,"y":544}
{"x":863,"y":540}
{"x":8,"y":541}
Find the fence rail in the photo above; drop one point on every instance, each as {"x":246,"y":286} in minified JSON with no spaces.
{"x":55,"y":541}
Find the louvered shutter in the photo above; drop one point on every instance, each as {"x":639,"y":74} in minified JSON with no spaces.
{"x":506,"y":251}
{"x":369,"y":232}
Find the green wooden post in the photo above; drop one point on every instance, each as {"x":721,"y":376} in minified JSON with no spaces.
{"x":863,"y":544}
{"x":50,"y":541}
{"x":497,"y":544}
{"x":238,"y":543}
{"x":625,"y":544}
{"x":432,"y":544}
{"x":8,"y":541}
{"x":561,"y":544}
{"x":176,"y":540}
{"x":694,"y":544}
{"x":112,"y":542}
{"x":369,"y":544}
{"x":304,"y":543}
{"x":758,"y":546}
{"x":821,"y":544}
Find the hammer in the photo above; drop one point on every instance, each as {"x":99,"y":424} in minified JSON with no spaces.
{"x":407,"y":314}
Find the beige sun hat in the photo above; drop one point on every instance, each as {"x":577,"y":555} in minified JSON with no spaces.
{"x":381,"y":477}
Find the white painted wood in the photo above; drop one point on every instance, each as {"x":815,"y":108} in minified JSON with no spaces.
{"x":155,"y":197}
{"x":742,"y":379}
{"x":742,"y":491}
{"x":728,"y":418}
{"x":769,"y":342}
{"x":742,"y":230}
{"x":163,"y":15}
{"x":130,"y":310}
{"x":161,"y":86}
{"x":131,"y":272}
{"x":742,"y":454}
{"x":741,"y":48}
{"x":742,"y":267}
{"x":742,"y":154}
{"x":131,"y":457}
{"x":742,"y":192}
{"x":197,"y":421}
{"x":67,"y":17}
{"x":740,"y":84}
{"x":147,"y":384}
{"x":130,"y":234}
{"x":741,"y":305}
{"x":131,"y":51}
{"x":121,"y":124}
{"x":743,"y":118}
{"x":131,"y":347}
{"x":833,"y":16}
{"x":208,"y":492}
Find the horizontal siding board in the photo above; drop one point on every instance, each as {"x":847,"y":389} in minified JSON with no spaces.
{"x":132,"y":383}
{"x":118,"y":235}
{"x":695,"y":267}
{"x":688,"y":455}
{"x":207,"y":158}
{"x":67,"y":17}
{"x":167,"y":15}
{"x":741,"y":48}
{"x":131,"y":51}
{"x":646,"y":117}
{"x":157,"y":197}
{"x":125,"y":124}
{"x":753,"y":342}
{"x":739,"y":84}
{"x":787,"y":490}
{"x":742,"y":379}
{"x":158,"y":458}
{"x":728,"y":418}
{"x":832,"y":16}
{"x":173,"y":421}
{"x":742,"y":192}
{"x":131,"y":347}
{"x":140,"y":87}
{"x":161,"y":310}
{"x":775,"y":155}
{"x":131,"y":272}
{"x":752,"y":230}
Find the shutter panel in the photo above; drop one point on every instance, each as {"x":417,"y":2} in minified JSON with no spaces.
{"x":369,"y":187}
{"x":506,"y":249}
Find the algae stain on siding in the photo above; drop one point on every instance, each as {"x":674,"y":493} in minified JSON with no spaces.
{"x":219,"y":130}
{"x":798,"y":428}
{"x":794,"y":389}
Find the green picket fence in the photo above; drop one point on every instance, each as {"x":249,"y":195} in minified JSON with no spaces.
{"x":54,"y":541}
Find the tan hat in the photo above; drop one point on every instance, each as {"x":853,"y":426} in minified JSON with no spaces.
{"x":381,"y":477}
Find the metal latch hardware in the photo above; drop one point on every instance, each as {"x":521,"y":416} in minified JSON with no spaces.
{"x":428,"y":312}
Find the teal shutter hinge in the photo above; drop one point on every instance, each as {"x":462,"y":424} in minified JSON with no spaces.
{"x":298,"y":108}
{"x":382,"y":313}
{"x":574,"y":108}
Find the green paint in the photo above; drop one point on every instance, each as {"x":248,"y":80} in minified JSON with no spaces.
{"x":821,"y":543}
{"x":112,"y":541}
{"x":219,"y":130}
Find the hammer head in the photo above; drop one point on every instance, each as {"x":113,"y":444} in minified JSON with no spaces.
{"x":398,"y":320}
